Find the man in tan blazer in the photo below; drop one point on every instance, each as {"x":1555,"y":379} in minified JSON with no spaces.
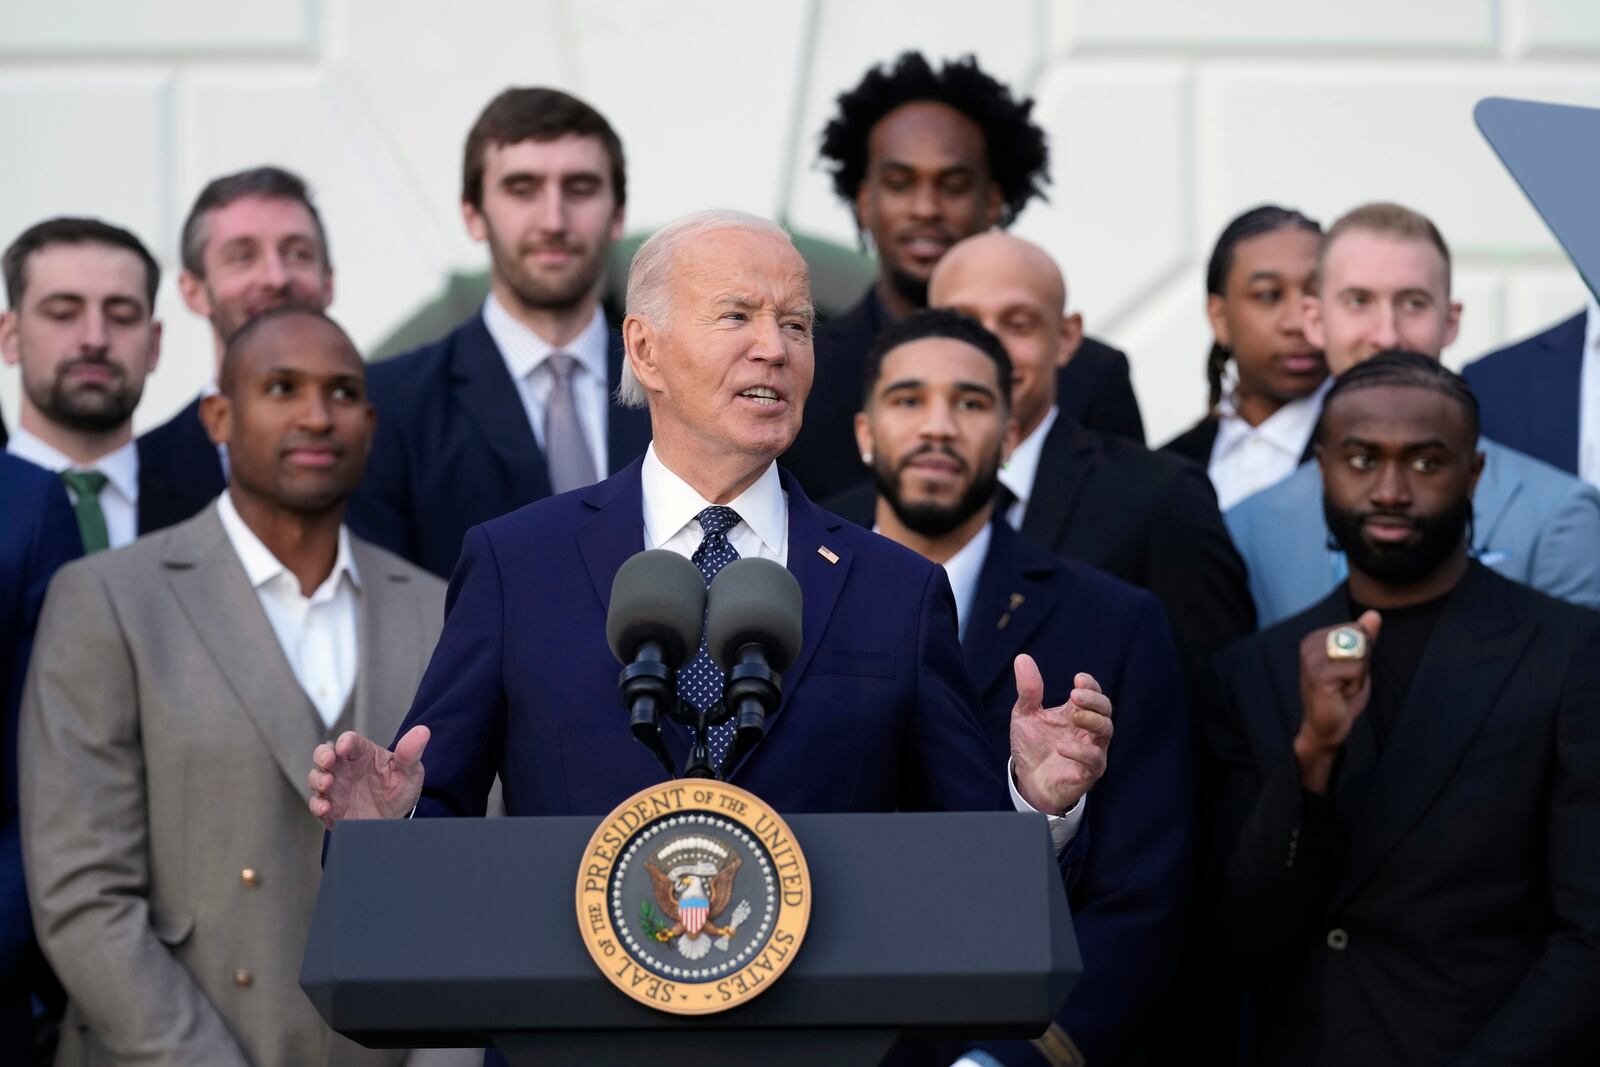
{"x":177,"y":690}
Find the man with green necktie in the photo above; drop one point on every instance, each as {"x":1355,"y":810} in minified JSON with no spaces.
{"x":80,"y":325}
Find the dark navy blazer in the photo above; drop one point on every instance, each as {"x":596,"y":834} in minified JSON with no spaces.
{"x":454,"y":449}
{"x":1528,"y":393}
{"x":877,"y":713}
{"x":1128,"y":898}
{"x":37,"y":535}
{"x":180,"y":471}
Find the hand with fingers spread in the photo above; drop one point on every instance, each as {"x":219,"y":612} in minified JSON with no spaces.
{"x":1335,"y":685}
{"x":355,"y":778}
{"x":1058,"y":753}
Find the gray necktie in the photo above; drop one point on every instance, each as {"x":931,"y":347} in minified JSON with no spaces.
{"x":566,"y":450}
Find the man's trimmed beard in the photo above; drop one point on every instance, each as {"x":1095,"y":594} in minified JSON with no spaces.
{"x":535,"y":294}
{"x":1402,"y":564}
{"x":94,"y":409}
{"x":929,"y":518}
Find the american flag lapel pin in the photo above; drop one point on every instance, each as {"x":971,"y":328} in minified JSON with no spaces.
{"x":827,"y":553}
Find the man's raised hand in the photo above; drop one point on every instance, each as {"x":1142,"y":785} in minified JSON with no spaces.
{"x":1058,"y":753}
{"x":354,"y":778}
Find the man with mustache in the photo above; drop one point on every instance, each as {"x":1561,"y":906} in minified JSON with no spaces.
{"x":1406,"y":772}
{"x":1383,"y":281}
{"x":924,"y":157}
{"x":176,"y":688}
{"x":515,"y":403}
{"x":937,"y":418}
{"x":252,"y":241}
{"x":80,"y":327}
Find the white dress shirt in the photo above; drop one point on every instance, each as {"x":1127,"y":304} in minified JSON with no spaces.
{"x":671,"y":504}
{"x":1589,"y":399}
{"x":317,"y":633}
{"x":1017,"y":473}
{"x":1246,"y":459}
{"x":526,"y":355}
{"x":119,"y":500}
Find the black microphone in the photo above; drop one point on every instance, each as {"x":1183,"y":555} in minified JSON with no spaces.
{"x":753,"y":632}
{"x":658,"y":602}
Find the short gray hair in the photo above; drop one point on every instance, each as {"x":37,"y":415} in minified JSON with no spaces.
{"x":650,"y":274}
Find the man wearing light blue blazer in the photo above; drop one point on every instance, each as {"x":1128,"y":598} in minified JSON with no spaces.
{"x":1383,"y":284}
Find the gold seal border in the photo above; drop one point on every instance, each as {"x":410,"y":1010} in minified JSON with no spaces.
{"x":792,"y":880}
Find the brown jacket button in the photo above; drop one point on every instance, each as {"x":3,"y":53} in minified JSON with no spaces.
{"x":242,"y":978}
{"x":249,"y":877}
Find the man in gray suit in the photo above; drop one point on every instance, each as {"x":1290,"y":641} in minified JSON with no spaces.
{"x":1383,"y":283}
{"x":177,"y":690}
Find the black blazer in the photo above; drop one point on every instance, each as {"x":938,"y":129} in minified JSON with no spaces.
{"x":1529,"y":393}
{"x":1128,"y":900}
{"x":1451,"y":913}
{"x":180,"y":471}
{"x":1094,"y":388}
{"x":1195,"y":443}
{"x":454,"y":449}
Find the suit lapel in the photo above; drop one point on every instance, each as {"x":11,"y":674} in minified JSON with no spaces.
{"x":389,"y":639}
{"x":484,"y":389}
{"x":208,"y":580}
{"x":821,"y":580}
{"x":1064,"y":465}
{"x":1554,"y":394}
{"x":1468,"y":662}
{"x":1012,"y":601}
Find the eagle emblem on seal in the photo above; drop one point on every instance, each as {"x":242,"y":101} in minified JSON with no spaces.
{"x":692,"y":878}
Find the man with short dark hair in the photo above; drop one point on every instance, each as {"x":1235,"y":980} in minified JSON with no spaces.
{"x":515,"y":403}
{"x":1409,"y":798}
{"x":174,"y":901}
{"x":1383,"y":282}
{"x":924,"y":157}
{"x":81,"y":328}
{"x":253,"y":241}
{"x":937,"y":421}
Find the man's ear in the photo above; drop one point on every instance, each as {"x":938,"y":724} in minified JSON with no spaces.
{"x":863,"y":205}
{"x":216,"y":415}
{"x":9,"y":349}
{"x":1216,"y":307}
{"x":192,"y":288}
{"x":1477,"y":472}
{"x":155,"y":347}
{"x":1010,"y":438}
{"x":639,"y":344}
{"x":994,"y":203}
{"x":1071,"y":338}
{"x":1311,"y":321}
{"x":863,"y":428}
{"x":1452,"y":324}
{"x":617,"y":218}
{"x":474,"y":220}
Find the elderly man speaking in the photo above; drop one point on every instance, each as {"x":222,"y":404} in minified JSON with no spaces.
{"x":878,"y":713}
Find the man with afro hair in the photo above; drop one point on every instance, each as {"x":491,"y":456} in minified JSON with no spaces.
{"x":925,"y":156}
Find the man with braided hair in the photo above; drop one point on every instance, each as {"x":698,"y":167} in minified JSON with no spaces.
{"x":925,"y":156}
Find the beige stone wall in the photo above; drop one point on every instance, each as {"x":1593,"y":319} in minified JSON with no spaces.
{"x":1167,"y":117}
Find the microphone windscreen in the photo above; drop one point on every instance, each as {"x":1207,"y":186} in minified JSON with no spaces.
{"x":754,"y":601}
{"x":656,"y":596}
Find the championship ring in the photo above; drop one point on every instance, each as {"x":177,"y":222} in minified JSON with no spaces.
{"x":1347,"y":642}
{"x":693,"y":896}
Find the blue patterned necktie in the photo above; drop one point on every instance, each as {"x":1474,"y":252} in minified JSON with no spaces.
{"x":700,"y":680}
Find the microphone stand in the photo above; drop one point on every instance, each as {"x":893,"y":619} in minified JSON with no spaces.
{"x":648,"y":688}
{"x":750,"y":693}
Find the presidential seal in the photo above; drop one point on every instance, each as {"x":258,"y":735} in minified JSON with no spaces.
{"x":693,"y":897}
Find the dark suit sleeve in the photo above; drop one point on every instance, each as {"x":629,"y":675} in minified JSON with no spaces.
{"x":1114,"y":408}
{"x":52,"y":541}
{"x":382,"y":510}
{"x":1278,"y":848}
{"x":1128,"y":906}
{"x":1196,"y":571}
{"x":948,"y":763}
{"x":462,"y":696}
{"x":1550,"y":1018}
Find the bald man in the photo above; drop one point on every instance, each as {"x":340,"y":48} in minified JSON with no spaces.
{"x":181,"y":683}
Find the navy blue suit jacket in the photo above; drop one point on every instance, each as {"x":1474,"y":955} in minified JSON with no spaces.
{"x":878,"y":713}
{"x":38,"y":535}
{"x":454,"y":449}
{"x":180,"y":471}
{"x":1128,"y":896}
{"x":1528,"y":393}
